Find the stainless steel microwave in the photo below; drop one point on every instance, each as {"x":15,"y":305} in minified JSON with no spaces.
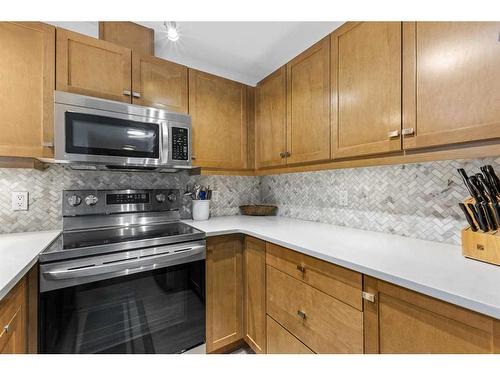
{"x":96,"y":132}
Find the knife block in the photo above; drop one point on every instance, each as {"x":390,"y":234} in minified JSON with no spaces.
{"x":481,"y":246}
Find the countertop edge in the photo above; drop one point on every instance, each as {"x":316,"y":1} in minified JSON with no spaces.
{"x":454,"y":299}
{"x":5,"y":290}
{"x":12,"y":283}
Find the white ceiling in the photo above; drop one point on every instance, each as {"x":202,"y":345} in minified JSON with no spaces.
{"x":243,"y":51}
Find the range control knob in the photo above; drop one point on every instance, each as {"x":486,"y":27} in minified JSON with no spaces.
{"x":172,"y":197}
{"x":74,"y":200}
{"x":160,"y":198}
{"x":91,"y":200}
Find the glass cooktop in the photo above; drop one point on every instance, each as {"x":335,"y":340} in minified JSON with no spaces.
{"x":95,"y":241}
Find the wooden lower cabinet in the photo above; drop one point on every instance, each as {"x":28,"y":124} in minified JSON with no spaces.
{"x":403,"y":321}
{"x":13,"y":321}
{"x":254,"y":290}
{"x":323,"y":323}
{"x":224,"y":292}
{"x":280,"y":341}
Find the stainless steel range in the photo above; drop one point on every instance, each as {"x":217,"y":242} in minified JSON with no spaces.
{"x":125,"y":276}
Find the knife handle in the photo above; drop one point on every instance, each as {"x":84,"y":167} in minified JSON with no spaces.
{"x":490,"y":219}
{"x":468,"y":217}
{"x":466,"y":181}
{"x":483,"y":223}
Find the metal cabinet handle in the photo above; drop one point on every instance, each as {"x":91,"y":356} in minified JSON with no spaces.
{"x":301,"y":268}
{"x":368,"y":296}
{"x":287,"y":154}
{"x":282,"y":155}
{"x":393,"y":134}
{"x":193,"y":157}
{"x":136,"y":94}
{"x":408,"y":131}
{"x":302,"y":314}
{"x":127,"y":92}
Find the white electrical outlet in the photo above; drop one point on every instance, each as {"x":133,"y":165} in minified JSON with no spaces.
{"x":19,"y":201}
{"x":343,"y":198}
{"x":215,"y":195}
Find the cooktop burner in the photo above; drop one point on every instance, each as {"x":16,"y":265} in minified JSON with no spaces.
{"x":96,"y":241}
{"x":72,"y":240}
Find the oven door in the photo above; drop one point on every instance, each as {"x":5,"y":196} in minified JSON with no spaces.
{"x":97,"y":136}
{"x":143,"y":301}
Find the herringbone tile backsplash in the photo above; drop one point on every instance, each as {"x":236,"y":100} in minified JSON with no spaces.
{"x":415,"y":200}
{"x":45,"y":192}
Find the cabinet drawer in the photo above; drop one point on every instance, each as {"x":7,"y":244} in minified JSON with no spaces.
{"x":323,"y":323}
{"x":336,"y":281}
{"x":280,"y":341}
{"x":12,"y":310}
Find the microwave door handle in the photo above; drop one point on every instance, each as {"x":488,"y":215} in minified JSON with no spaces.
{"x":142,"y":263}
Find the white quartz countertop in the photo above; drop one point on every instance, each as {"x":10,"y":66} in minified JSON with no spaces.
{"x":432,"y":268}
{"x":18,"y":253}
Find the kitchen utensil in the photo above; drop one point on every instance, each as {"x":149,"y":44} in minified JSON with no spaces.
{"x":473,"y":226}
{"x":482,"y":201}
{"x":494,"y":177}
{"x":491,"y":197}
{"x":480,"y":220}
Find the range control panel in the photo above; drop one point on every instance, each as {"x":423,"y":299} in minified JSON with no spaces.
{"x":106,"y":202}
{"x":180,"y":143}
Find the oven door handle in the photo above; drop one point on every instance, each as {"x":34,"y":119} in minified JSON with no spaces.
{"x":134,"y":265}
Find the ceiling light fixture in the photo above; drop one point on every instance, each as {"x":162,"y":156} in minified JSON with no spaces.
{"x":172,"y":33}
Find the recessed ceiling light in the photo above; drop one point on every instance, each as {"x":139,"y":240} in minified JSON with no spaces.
{"x":172,"y":33}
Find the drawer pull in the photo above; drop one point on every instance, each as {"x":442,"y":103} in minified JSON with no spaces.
{"x":368,"y":296}
{"x":127,"y":92}
{"x":393,"y":134}
{"x":302,"y":314}
{"x":301,"y":268}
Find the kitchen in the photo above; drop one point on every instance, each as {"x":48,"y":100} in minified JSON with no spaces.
{"x":335,"y":193}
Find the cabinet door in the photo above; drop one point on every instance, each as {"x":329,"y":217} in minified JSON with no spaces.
{"x":218,"y":111}
{"x":159,"y":83}
{"x":271,"y":120}
{"x":254,"y":289}
{"x":451,"y":82}
{"x":308,"y":104}
{"x":280,"y":341}
{"x":27,"y":79}
{"x":366,"y":88}
{"x":13,"y":321}
{"x":93,"y":67}
{"x":402,"y":321}
{"x":224,"y":290}
{"x":138,"y":38}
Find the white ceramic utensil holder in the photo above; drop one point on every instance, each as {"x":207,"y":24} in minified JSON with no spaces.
{"x":201,"y":209}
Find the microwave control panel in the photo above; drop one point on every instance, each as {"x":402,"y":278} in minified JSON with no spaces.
{"x":180,"y":143}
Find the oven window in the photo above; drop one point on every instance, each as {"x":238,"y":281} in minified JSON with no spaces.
{"x":160,"y":311}
{"x":100,"y":135}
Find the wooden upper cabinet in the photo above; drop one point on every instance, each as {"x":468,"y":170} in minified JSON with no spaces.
{"x":27,"y":79}
{"x":270,"y":107}
{"x":159,"y":83}
{"x":366,"y":88}
{"x":308,"y":104}
{"x":218,"y":111}
{"x":138,"y":38}
{"x":451,"y":82}
{"x":400,"y":321}
{"x":224,"y":291}
{"x":93,"y":67}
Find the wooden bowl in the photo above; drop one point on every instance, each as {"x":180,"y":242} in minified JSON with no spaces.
{"x":259,"y":210}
